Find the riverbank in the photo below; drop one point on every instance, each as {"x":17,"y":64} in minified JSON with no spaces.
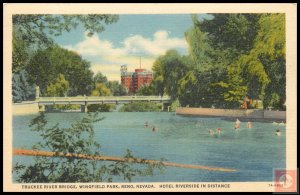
{"x":232,"y":113}
{"x":32,"y":107}
{"x":25,"y":108}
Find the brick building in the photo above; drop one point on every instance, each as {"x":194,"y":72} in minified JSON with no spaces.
{"x":133,"y":81}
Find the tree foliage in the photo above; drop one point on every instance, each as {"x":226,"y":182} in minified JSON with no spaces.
{"x":100,"y":107}
{"x":100,"y":78}
{"x":230,"y":56}
{"x":200,"y":51}
{"x":59,"y":88}
{"x":38,"y":28}
{"x":21,"y":89}
{"x":141,"y":107}
{"x":47,"y":64}
{"x":101,"y":90}
{"x":146,"y":90}
{"x":116,"y":88}
{"x":263,"y":68}
{"x":168,"y":68}
{"x":20,"y":53}
{"x":76,"y":139}
{"x":232,"y":31}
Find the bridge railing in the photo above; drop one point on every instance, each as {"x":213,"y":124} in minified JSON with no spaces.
{"x":104,"y":98}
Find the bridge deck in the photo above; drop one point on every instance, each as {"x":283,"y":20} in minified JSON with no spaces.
{"x":102,"y":99}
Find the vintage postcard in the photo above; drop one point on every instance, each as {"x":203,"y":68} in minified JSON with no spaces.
{"x":150,"y":97}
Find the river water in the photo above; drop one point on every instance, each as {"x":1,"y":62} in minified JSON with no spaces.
{"x":254,"y":153}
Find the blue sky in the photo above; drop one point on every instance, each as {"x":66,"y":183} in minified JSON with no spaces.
{"x":148,"y":36}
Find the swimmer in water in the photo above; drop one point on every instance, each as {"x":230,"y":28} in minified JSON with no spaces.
{"x":146,"y":124}
{"x":277,"y":132}
{"x":249,"y":125}
{"x":237,"y":124}
{"x":219,"y":130}
{"x":282,"y":123}
{"x":211,"y":132}
{"x":154,"y":129}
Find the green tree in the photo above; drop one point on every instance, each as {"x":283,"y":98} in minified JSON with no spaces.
{"x":20,"y":53}
{"x":77,"y":139}
{"x":235,"y":32}
{"x":141,"y":107}
{"x":205,"y":66}
{"x":100,"y":78}
{"x":41,"y":71}
{"x":46,"y":64}
{"x":232,"y":88}
{"x":146,"y":90}
{"x":265,"y":63}
{"x":101,"y":107}
{"x":200,"y":51}
{"x":59,"y":88}
{"x":230,"y":56}
{"x":21,"y":89}
{"x":169,"y":69}
{"x":116,"y":88}
{"x":101,"y":90}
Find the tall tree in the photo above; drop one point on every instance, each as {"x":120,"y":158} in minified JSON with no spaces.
{"x":230,"y":56}
{"x":205,"y":66}
{"x":200,"y":50}
{"x":266,"y":62}
{"x":232,"y":31}
{"x":232,"y":36}
{"x":46,"y":65}
{"x":20,"y":53}
{"x":21,"y":88}
{"x":169,"y":69}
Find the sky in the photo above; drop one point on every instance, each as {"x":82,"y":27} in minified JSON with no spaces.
{"x":132,"y":36}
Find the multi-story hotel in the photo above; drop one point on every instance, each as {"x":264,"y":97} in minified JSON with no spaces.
{"x":133,"y":81}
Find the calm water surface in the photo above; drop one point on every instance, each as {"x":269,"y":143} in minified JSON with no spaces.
{"x":253,"y":152}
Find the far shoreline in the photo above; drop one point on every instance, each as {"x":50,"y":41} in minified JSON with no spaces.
{"x":246,"y":114}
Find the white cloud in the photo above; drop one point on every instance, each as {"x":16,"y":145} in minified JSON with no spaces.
{"x":93,"y":46}
{"x":109,"y":58}
{"x":160,"y":43}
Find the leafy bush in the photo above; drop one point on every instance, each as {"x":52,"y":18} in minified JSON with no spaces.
{"x":174,"y":105}
{"x":141,"y":107}
{"x":101,"y":107}
{"x":62,"y":107}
